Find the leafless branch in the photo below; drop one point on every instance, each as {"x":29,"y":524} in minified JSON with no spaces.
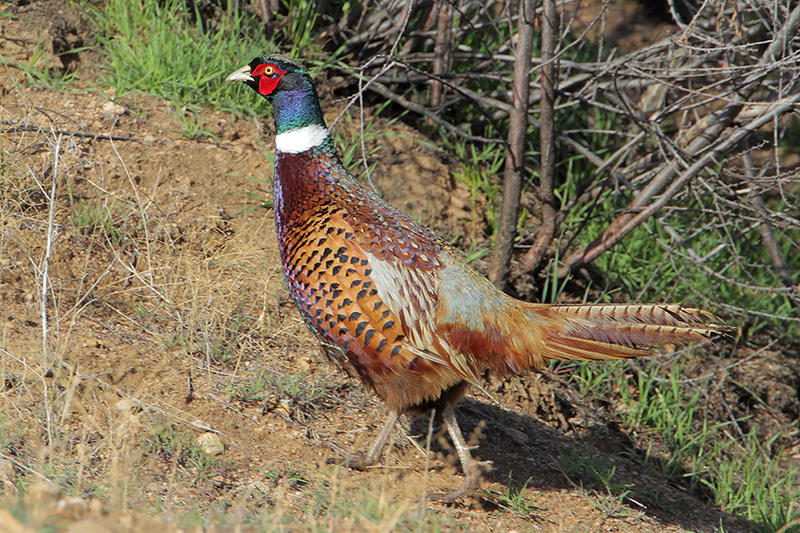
{"x":515,"y":158}
{"x":547,"y":172}
{"x":707,"y":141}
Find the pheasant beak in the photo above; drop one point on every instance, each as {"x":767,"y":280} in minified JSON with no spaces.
{"x":243,"y":74}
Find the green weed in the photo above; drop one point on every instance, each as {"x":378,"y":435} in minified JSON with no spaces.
{"x":179,"y":446}
{"x":744,"y":474}
{"x":93,"y":218}
{"x":481,"y":169}
{"x":516,"y":501}
{"x":288,"y":476}
{"x":191,"y":120}
{"x":222,"y":342}
{"x":260,"y":199}
{"x":612,"y":505}
{"x":298,"y":26}
{"x":753,"y":481}
{"x":293,"y":394}
{"x":298,"y":390}
{"x":251,"y":390}
{"x":41,"y":72}
{"x":162,"y":49}
{"x":594,"y":470}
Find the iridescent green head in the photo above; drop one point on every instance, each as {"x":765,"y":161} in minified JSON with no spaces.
{"x":288,"y":86}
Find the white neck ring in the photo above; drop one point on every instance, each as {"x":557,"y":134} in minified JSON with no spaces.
{"x":301,"y":139}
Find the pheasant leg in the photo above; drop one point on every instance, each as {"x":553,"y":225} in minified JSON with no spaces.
{"x":472,"y":467}
{"x":360,"y":461}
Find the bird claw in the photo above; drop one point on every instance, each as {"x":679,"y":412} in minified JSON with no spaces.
{"x":363,"y":460}
{"x":473,"y":472}
{"x":356,"y":460}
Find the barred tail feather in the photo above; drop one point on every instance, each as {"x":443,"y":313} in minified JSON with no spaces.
{"x":515,"y":337}
{"x":597,"y":332}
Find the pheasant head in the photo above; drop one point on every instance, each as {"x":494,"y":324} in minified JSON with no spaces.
{"x":291,"y":91}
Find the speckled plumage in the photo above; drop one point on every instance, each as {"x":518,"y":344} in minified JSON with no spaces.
{"x":332,"y":235}
{"x":396,"y":305}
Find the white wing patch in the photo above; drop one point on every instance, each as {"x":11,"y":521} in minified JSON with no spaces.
{"x":408,"y":294}
{"x":299,"y":140}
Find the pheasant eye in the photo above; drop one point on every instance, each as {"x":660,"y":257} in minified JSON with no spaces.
{"x":269,"y":70}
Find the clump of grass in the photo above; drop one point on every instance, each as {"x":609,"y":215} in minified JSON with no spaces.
{"x":481,"y":167}
{"x":752,"y":481}
{"x":93,"y":218}
{"x":298,"y":25}
{"x":191,"y":120}
{"x":290,"y":477}
{"x":744,"y":473}
{"x":183,"y":56}
{"x":42,"y":72}
{"x":297,"y":393}
{"x":251,"y":390}
{"x":516,"y":501}
{"x":179,"y":446}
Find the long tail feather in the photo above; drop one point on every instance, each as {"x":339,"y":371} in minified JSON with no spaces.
{"x":515,"y":336}
{"x":594,"y":332}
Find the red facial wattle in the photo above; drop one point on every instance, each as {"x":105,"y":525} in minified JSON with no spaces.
{"x":268,"y":75}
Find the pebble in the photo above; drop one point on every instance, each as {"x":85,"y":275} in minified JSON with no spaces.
{"x":211,"y":443}
{"x":112,"y":110}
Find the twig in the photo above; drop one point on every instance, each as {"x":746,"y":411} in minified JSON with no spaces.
{"x":547,"y":229}
{"x":411,"y":106}
{"x":45,"y":269}
{"x":515,"y":157}
{"x":442,"y":50}
{"x":610,"y":238}
{"x":768,"y":238}
{"x":44,"y":272}
{"x":25,"y":467}
{"x":25,"y":127}
{"x":704,"y":142}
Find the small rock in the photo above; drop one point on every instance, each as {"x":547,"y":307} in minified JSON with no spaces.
{"x":128,"y":406}
{"x":112,"y":110}
{"x":304,"y":365}
{"x":71,"y":506}
{"x":518,"y":436}
{"x":211,"y":443}
{"x":124,"y":405}
{"x":96,"y":508}
{"x":150,"y":138}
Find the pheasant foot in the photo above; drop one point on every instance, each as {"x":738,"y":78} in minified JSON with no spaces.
{"x":360,"y":460}
{"x":473,"y":469}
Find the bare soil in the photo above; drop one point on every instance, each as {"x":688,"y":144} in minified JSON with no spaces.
{"x":168,"y":308}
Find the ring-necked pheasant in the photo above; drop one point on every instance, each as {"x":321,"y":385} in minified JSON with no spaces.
{"x":396,"y":305}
